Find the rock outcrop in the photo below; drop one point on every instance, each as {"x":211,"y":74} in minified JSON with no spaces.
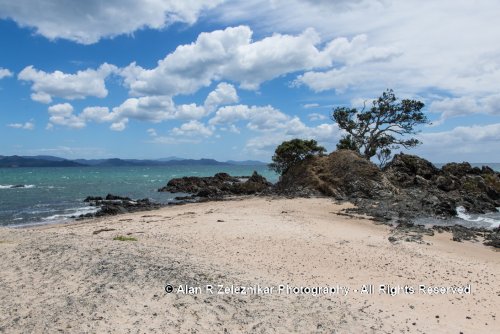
{"x":408,"y":187}
{"x":112,"y":205}
{"x":441,"y":190}
{"x":342,"y":174}
{"x":217,"y":186}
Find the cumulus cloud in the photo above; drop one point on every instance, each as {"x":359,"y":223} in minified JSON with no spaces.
{"x":159,"y":108}
{"x":88,"y":21}
{"x":62,"y":114}
{"x":152,"y":132}
{"x":5,"y":73}
{"x":193,"y":129}
{"x":273,"y":127}
{"x":463,"y":143}
{"x":67,"y":86}
{"x":223,"y":94}
{"x":231,"y":54}
{"x":465,"y":105}
{"x":424,"y":45}
{"x":120,"y":125}
{"x":258,"y":118}
{"x":25,"y":126}
{"x":264,"y":145}
{"x":317,"y":117}
{"x":156,"y":109}
{"x":147,"y":108}
{"x":97,"y":114}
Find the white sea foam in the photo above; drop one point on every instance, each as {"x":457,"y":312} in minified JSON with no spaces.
{"x":75,"y":212}
{"x":11,"y":186}
{"x":480,"y":219}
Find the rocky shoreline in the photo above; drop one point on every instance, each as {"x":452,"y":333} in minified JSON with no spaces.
{"x":112,"y":205}
{"x":407,"y":189}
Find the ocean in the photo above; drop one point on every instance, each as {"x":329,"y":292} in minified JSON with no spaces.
{"x":53,"y":195}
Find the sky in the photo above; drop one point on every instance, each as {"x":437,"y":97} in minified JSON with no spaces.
{"x":233,"y":79}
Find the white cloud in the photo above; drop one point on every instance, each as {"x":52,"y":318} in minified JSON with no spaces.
{"x":120,"y":125}
{"x":223,"y":94}
{"x":147,"y":108}
{"x":463,"y":143}
{"x":25,"y":126}
{"x":232,"y":55}
{"x":5,"y":73}
{"x":193,"y":129}
{"x":62,"y":114}
{"x":311,"y":105}
{"x":97,"y":114}
{"x":264,"y":145}
{"x":445,"y":44}
{"x":189,"y":67}
{"x":152,"y":132}
{"x":259,"y":118}
{"x":189,"y":111}
{"x":156,"y":109}
{"x":465,"y":105}
{"x":274,"y":127}
{"x":88,"y":21}
{"x":317,"y":117}
{"x":67,"y":86}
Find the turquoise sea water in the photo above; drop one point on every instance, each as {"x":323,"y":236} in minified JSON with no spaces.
{"x":51,"y":195}
{"x":55,"y":194}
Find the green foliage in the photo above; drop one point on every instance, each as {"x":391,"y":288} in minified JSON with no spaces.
{"x":291,"y":152}
{"x":375,"y":132}
{"x":124,"y":238}
{"x":492,"y":181}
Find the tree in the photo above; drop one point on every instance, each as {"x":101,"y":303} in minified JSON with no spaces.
{"x":291,"y":152}
{"x":382,"y":128}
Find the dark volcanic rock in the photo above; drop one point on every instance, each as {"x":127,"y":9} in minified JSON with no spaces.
{"x":217,"y":186}
{"x":113,"y":205}
{"x":459,"y":169}
{"x":404,"y":169}
{"x":493,"y":239}
{"x":408,"y":188}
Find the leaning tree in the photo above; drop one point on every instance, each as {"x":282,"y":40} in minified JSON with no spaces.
{"x":382,"y":128}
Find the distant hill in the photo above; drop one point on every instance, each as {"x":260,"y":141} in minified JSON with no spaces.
{"x":170,"y":158}
{"x":51,"y":161}
{"x":17,"y":161}
{"x":246,"y":163}
{"x":44,"y":157}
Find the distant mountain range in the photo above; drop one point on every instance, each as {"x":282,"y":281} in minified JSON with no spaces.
{"x":51,"y":161}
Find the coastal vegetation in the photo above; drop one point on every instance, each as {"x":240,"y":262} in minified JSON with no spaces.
{"x":293,"y":151}
{"x":381,"y":128}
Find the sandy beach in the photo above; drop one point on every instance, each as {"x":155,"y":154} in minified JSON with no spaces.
{"x":303,"y":268}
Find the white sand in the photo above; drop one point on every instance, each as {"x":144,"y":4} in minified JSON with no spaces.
{"x":67,"y":279}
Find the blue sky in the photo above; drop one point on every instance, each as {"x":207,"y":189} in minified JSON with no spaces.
{"x":233,"y":79}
